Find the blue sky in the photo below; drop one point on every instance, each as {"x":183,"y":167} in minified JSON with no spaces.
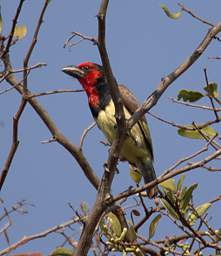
{"x":143,"y":45}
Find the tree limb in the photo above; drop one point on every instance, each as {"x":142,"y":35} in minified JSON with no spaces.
{"x":61,"y":139}
{"x":15,"y":143}
{"x":170,"y":78}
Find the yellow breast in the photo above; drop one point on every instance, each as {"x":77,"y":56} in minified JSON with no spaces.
{"x":134,"y":146}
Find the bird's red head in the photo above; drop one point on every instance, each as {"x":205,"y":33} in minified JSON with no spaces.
{"x":87,"y":73}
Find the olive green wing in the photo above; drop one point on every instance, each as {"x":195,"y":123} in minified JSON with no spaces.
{"x":131,"y":103}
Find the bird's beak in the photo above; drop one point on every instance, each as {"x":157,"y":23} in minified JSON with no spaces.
{"x":74,"y":72}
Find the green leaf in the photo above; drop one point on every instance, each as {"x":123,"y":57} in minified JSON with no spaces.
{"x":1,"y":23}
{"x":153,"y":225}
{"x":169,"y":185}
{"x":170,"y":209}
{"x":115,"y":225}
{"x":20,"y":31}
{"x":172,"y":15}
{"x":190,"y":96}
{"x":212,"y":90}
{"x":180,"y":182}
{"x":200,"y":211}
{"x":171,"y":196}
{"x":183,"y":192}
{"x":194,"y":134}
{"x":62,"y":251}
{"x":187,"y":197}
{"x":131,"y":233}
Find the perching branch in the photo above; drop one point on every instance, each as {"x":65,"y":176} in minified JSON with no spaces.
{"x":114,"y":91}
{"x":106,"y":181}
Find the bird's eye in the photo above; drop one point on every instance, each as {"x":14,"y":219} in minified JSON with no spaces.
{"x":85,"y":68}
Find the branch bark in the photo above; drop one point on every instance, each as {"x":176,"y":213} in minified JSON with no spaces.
{"x":15,"y":143}
{"x":167,"y":176}
{"x":27,"y":239}
{"x":60,"y":138}
{"x":170,"y":78}
{"x":105,"y":185}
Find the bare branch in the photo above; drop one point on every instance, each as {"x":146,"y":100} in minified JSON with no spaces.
{"x":84,"y":134}
{"x":33,"y":43}
{"x":183,"y":8}
{"x":27,"y":239}
{"x":214,"y":58}
{"x":194,"y":105}
{"x":53,"y":92}
{"x":211,"y":99}
{"x":197,"y":153}
{"x":15,"y":19}
{"x":169,"y":175}
{"x":82,"y":38}
{"x":48,"y":141}
{"x":105,"y":186}
{"x":61,"y":139}
{"x":38,"y":65}
{"x":14,"y":145}
{"x":169,"y":79}
{"x":169,"y":122}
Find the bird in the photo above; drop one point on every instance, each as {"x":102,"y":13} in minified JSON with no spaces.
{"x":137,"y":147}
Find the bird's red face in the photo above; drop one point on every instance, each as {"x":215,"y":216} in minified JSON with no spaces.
{"x":87,"y":74}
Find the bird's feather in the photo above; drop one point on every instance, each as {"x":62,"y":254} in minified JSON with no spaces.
{"x":131,"y":103}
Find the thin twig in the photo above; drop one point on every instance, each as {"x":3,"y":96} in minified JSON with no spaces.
{"x":15,"y":19}
{"x":195,"y":154}
{"x":169,"y":122}
{"x":48,"y":141}
{"x":172,"y":174}
{"x":82,"y":38}
{"x":61,"y":139}
{"x":212,"y":169}
{"x":213,"y":143}
{"x":33,"y":43}
{"x":27,"y":239}
{"x":34,"y":95}
{"x":84,"y":134}
{"x":183,"y":8}
{"x":170,"y":78}
{"x":194,"y":105}
{"x":189,"y":128}
{"x":206,"y":224}
{"x":214,"y":58}
{"x":38,"y":65}
{"x":191,"y":13}
{"x":14,"y":145}
{"x":211,"y":99}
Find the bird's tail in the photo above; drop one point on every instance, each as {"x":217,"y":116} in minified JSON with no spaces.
{"x":147,"y":170}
